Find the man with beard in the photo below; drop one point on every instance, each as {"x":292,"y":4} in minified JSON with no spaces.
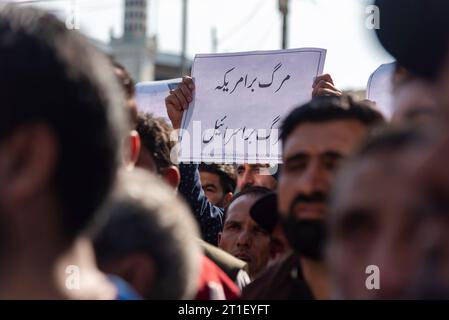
{"x":209,"y":216}
{"x":316,"y":137}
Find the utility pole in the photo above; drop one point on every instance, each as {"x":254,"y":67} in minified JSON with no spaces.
{"x":283,"y":8}
{"x":184,"y":38}
{"x":214,"y":38}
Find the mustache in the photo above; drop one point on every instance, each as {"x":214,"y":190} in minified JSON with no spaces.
{"x":246,"y":186}
{"x":314,"y":197}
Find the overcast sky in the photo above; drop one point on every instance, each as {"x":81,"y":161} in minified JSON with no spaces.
{"x":246,"y":25}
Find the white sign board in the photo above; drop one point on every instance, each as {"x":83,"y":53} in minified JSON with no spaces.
{"x":240,"y":100}
{"x":150,"y":96}
{"x":379,"y":88}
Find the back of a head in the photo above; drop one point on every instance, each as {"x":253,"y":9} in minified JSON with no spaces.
{"x":53,"y":76}
{"x":416,"y":33}
{"x":330,"y":108}
{"x":144,"y":216}
{"x":155,"y":134}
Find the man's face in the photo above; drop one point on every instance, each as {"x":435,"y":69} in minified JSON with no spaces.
{"x":211,"y":185}
{"x":311,"y":155}
{"x":243,"y":238}
{"x":379,"y":217}
{"x":254,"y":175}
{"x":414,"y":101}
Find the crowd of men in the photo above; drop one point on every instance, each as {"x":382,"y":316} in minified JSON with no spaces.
{"x":93,"y":204}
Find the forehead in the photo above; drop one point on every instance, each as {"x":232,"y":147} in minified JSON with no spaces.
{"x":209,"y":177}
{"x":336,"y":135}
{"x":247,"y":166}
{"x":414,"y":97}
{"x":238,"y":210}
{"x":382,"y":182}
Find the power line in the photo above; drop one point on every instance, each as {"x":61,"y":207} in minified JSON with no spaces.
{"x":242,"y":23}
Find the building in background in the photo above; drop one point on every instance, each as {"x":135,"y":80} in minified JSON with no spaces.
{"x":135,"y":50}
{"x":168,"y":66}
{"x":138,"y":52}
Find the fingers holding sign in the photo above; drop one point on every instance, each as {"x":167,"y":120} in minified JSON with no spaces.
{"x":324,"y":86}
{"x":178,"y":100}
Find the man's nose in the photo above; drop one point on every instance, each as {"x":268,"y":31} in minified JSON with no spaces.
{"x":313,"y":180}
{"x":244,"y":239}
{"x":248,"y":178}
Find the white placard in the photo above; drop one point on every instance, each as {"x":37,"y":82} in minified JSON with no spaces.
{"x":150,"y":96}
{"x":379,"y":88}
{"x":240,"y":101}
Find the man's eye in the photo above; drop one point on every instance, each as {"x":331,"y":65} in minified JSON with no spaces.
{"x":297,"y":166}
{"x":357,"y":225}
{"x":331,"y":164}
{"x":260,"y":231}
{"x":232,"y":227}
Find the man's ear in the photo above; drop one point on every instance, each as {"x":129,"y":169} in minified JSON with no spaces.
{"x":134,"y":145}
{"x":227,"y":199}
{"x":27,"y":162}
{"x":172,"y":176}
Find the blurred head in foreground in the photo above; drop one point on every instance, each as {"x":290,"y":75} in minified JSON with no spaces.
{"x":148,"y":238}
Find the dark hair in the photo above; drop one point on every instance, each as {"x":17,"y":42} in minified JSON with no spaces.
{"x":326,"y":108}
{"x":253,"y":191}
{"x":51,"y":75}
{"x":125,"y":80}
{"x":226,"y":173}
{"x":129,"y":89}
{"x":144,"y":216}
{"x":155,"y":136}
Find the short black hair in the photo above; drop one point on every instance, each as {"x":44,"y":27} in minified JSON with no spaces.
{"x":254,"y":191}
{"x":125,"y":80}
{"x":143,"y":215}
{"x":226,"y":173}
{"x":54,"y":76}
{"x":155,"y":136}
{"x":328,"y":108}
{"x":129,"y":88}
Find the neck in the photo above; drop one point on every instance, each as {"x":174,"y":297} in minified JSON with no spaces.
{"x":317,"y":277}
{"x":36,"y":258}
